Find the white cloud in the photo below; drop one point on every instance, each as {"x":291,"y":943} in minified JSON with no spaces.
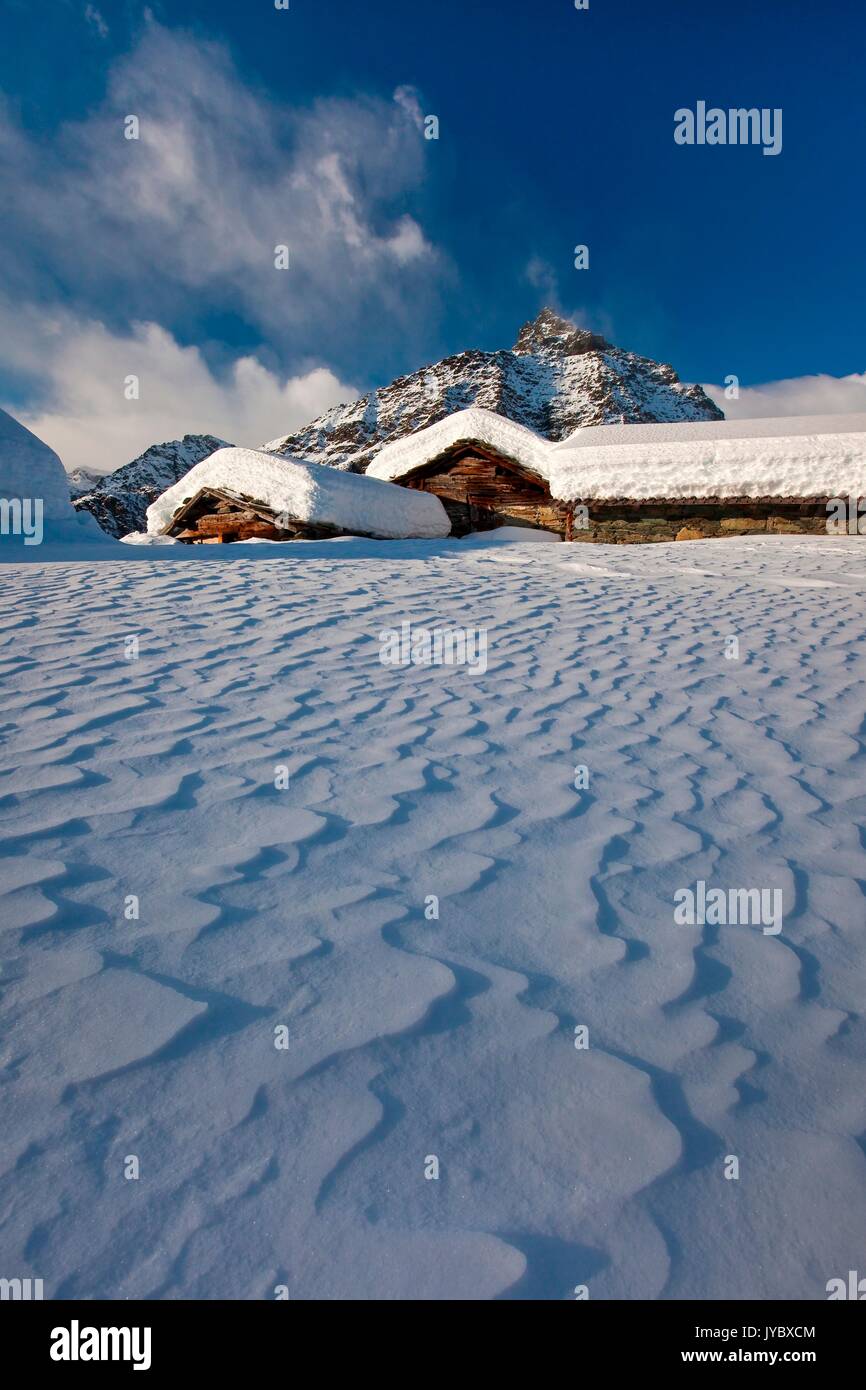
{"x":542,"y":275}
{"x":186,"y":218}
{"x":88,"y":421}
{"x":136,"y":243}
{"x":801,"y":395}
{"x":94,"y":18}
{"x":407,"y":97}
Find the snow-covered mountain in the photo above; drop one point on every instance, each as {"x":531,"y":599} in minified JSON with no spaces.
{"x":120,"y":500}
{"x":83,"y":480}
{"x":556,"y":378}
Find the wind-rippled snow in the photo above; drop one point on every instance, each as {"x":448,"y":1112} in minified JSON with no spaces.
{"x":410,"y":1038}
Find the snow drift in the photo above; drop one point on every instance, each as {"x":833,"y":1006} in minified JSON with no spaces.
{"x":33,"y":484}
{"x":451,"y":1035}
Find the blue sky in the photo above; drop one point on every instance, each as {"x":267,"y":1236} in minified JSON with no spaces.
{"x":261,"y":126}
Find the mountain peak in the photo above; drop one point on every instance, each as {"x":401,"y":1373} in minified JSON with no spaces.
{"x":550,"y":332}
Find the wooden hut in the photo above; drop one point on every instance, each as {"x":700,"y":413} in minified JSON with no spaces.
{"x":245,"y":494}
{"x":480,"y":489}
{"x":215,"y":517}
{"x":634,"y":483}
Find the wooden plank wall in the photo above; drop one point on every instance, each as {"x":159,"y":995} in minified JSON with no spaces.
{"x":478,"y":493}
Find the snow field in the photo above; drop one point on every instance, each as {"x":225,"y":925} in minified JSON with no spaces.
{"x":258,"y":909}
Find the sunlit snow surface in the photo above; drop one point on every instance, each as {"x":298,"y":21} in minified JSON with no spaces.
{"x":411,"y":1038}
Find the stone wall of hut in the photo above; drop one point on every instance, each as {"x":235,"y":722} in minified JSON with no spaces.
{"x":632,"y":523}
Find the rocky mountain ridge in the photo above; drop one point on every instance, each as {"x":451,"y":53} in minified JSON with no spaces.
{"x":555,"y":379}
{"x":119,"y":500}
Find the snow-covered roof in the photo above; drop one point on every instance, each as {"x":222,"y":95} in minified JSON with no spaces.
{"x":310,"y":492}
{"x":762,"y":427}
{"x":472,"y":426}
{"x":788,"y":456}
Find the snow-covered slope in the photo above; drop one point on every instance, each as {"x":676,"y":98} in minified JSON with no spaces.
{"x":811,"y":456}
{"x":308,"y":492}
{"x":555,"y":378}
{"x":120,"y":500}
{"x":32,"y":476}
{"x":409,"y":1034}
